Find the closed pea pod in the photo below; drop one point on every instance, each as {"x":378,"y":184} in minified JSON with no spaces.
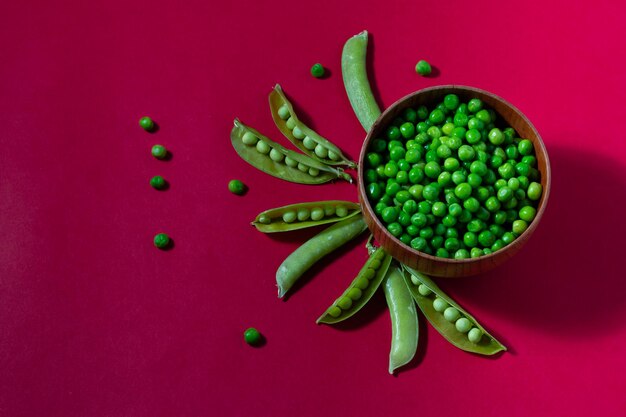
{"x":404,"y":324}
{"x":304,"y":138}
{"x":361,"y":289}
{"x":453,"y":327}
{"x":263,"y":155}
{"x":316,"y":248}
{"x":355,"y":80}
{"x":291,"y":217}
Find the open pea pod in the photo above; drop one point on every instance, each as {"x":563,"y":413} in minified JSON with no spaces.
{"x":360,"y":290}
{"x":274,"y":159}
{"x":305,"y":139}
{"x":303,"y":215}
{"x":486,"y":345}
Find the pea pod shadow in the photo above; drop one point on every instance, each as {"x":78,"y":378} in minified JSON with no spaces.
{"x":567,"y":280}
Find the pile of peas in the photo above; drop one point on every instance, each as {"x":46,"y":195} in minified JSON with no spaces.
{"x":450,"y":183}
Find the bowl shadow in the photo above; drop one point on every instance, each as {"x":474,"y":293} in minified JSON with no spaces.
{"x":567,"y":279}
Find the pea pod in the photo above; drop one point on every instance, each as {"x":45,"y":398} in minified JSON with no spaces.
{"x":315,"y":249}
{"x":303,"y":215}
{"x":404,"y":324}
{"x":354,"y":71}
{"x":305,"y":139}
{"x":360,"y":290}
{"x":486,"y":345}
{"x":272,"y":158}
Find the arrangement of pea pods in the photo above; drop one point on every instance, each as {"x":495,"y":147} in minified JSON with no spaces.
{"x":320,"y":161}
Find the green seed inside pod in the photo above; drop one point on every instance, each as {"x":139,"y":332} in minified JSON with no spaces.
{"x":463,"y":325}
{"x":451,"y":314}
{"x":424,"y":290}
{"x":439,"y":304}
{"x":289,"y":216}
{"x":354,"y":293}
{"x":369,"y":273}
{"x":361,"y":283}
{"x":290,"y":162}
{"x":321,"y":151}
{"x":249,"y":139}
{"x":309,"y":143}
{"x":314,"y":172}
{"x":263,"y":147}
{"x":341,"y":211}
{"x":317,"y":214}
{"x":414,"y":280}
{"x":334,"y":311}
{"x":276,"y":156}
{"x":329,"y":211}
{"x":283,"y":112}
{"x":344,"y":303}
{"x":290,"y":123}
{"x":374,"y":264}
{"x":298,"y":133}
{"x":303,"y":167}
{"x":333,"y":156}
{"x":304,"y":214}
{"x":475,"y":335}
{"x":264,"y":219}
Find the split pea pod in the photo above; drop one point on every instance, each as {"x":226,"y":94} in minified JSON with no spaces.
{"x":304,"y":138}
{"x":303,"y":215}
{"x":274,"y":159}
{"x":454,"y":323}
{"x":360,"y":290}
{"x":354,"y":71}
{"x":404,"y":324}
{"x":315,"y":249}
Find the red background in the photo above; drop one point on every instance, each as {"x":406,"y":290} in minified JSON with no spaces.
{"x":94,"y":321}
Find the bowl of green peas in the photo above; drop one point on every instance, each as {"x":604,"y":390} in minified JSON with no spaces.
{"x":453,"y":180}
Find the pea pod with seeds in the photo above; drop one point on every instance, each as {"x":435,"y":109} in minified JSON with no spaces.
{"x":449,"y":318}
{"x":315,"y":249}
{"x":360,"y":290}
{"x":274,"y":159}
{"x":354,"y":71}
{"x":303,"y":215}
{"x":305,"y":139}
{"x":404,"y":324}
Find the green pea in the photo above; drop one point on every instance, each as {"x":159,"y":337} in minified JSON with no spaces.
{"x":252,"y":336}
{"x":249,"y":139}
{"x":344,"y":303}
{"x":423,"y":68}
{"x":527,"y":213}
{"x":236,"y":187}
{"x":354,"y":293}
{"x":463,"y":325}
{"x":361,"y":283}
{"x":303,"y":214}
{"x":424,"y":290}
{"x":419,"y":243}
{"x":146,"y":123}
{"x":290,"y":123}
{"x":265,"y":219}
{"x":291,"y":162}
{"x":407,"y":130}
{"x":162,"y":241}
{"x":341,"y":211}
{"x":334,"y":311}
{"x":451,"y":314}
{"x":474,"y":105}
{"x":534,"y":191}
{"x":525,"y":147}
{"x":314,"y":172}
{"x":309,"y":143}
{"x":519,"y":227}
{"x":475,"y":335}
{"x":283,"y":112}
{"x":158,"y":183}
{"x":317,"y":70}
{"x":298,"y":133}
{"x":440,"y":305}
{"x":466,"y":153}
{"x":486,"y":238}
{"x":263,"y":147}
{"x":159,"y":151}
{"x":451,"y":101}
{"x":289,"y":216}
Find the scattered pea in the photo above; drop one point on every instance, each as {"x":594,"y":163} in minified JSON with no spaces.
{"x":161,"y":240}
{"x":146,"y":123}
{"x":252,"y":336}
{"x":423,"y":68}
{"x":159,"y":151}
{"x":158,"y":183}
{"x":234,"y":186}
{"x":317,"y":70}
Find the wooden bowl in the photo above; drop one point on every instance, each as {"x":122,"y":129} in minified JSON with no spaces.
{"x":433,"y":265}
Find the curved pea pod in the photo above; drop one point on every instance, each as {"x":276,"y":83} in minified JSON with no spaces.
{"x":303,"y":215}
{"x":323,"y":151}
{"x":354,"y":71}
{"x":487,"y":345}
{"x":315,"y":249}
{"x":360,"y":290}
{"x":314,"y":171}
{"x":404,"y":323}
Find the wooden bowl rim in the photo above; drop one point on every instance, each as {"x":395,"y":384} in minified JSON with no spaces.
{"x":467,"y":89}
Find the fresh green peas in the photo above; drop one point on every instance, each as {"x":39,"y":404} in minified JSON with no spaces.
{"x":423,"y":68}
{"x":393,"y":133}
{"x":252,"y":336}
{"x":395,"y":229}
{"x":463,"y":325}
{"x":158,"y":183}
{"x":534,"y":191}
{"x":159,"y":151}
{"x":432,"y":169}
{"x":397,"y":153}
{"x":439,"y":209}
{"x":525,"y":147}
{"x":234,"y":186}
{"x":146,"y":123}
{"x":390,"y":214}
{"x":483,"y":116}
{"x":505,"y":194}
{"x":451,"y":101}
{"x":470,"y":239}
{"x":519,"y":227}
{"x":430,"y":192}
{"x":492,"y":204}
{"x":391,"y":169}
{"x":162,"y":241}
{"x":435,"y":117}
{"x":474,"y":105}
{"x":317,"y":70}
{"x":407,"y":130}
{"x":419,"y":243}
{"x":451,"y":314}
{"x":419,"y":220}
{"x":475,"y":335}
{"x":463,"y":191}
{"x":527,"y":213}
{"x":486,"y":238}
{"x":466,"y":153}
{"x":496,"y":136}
